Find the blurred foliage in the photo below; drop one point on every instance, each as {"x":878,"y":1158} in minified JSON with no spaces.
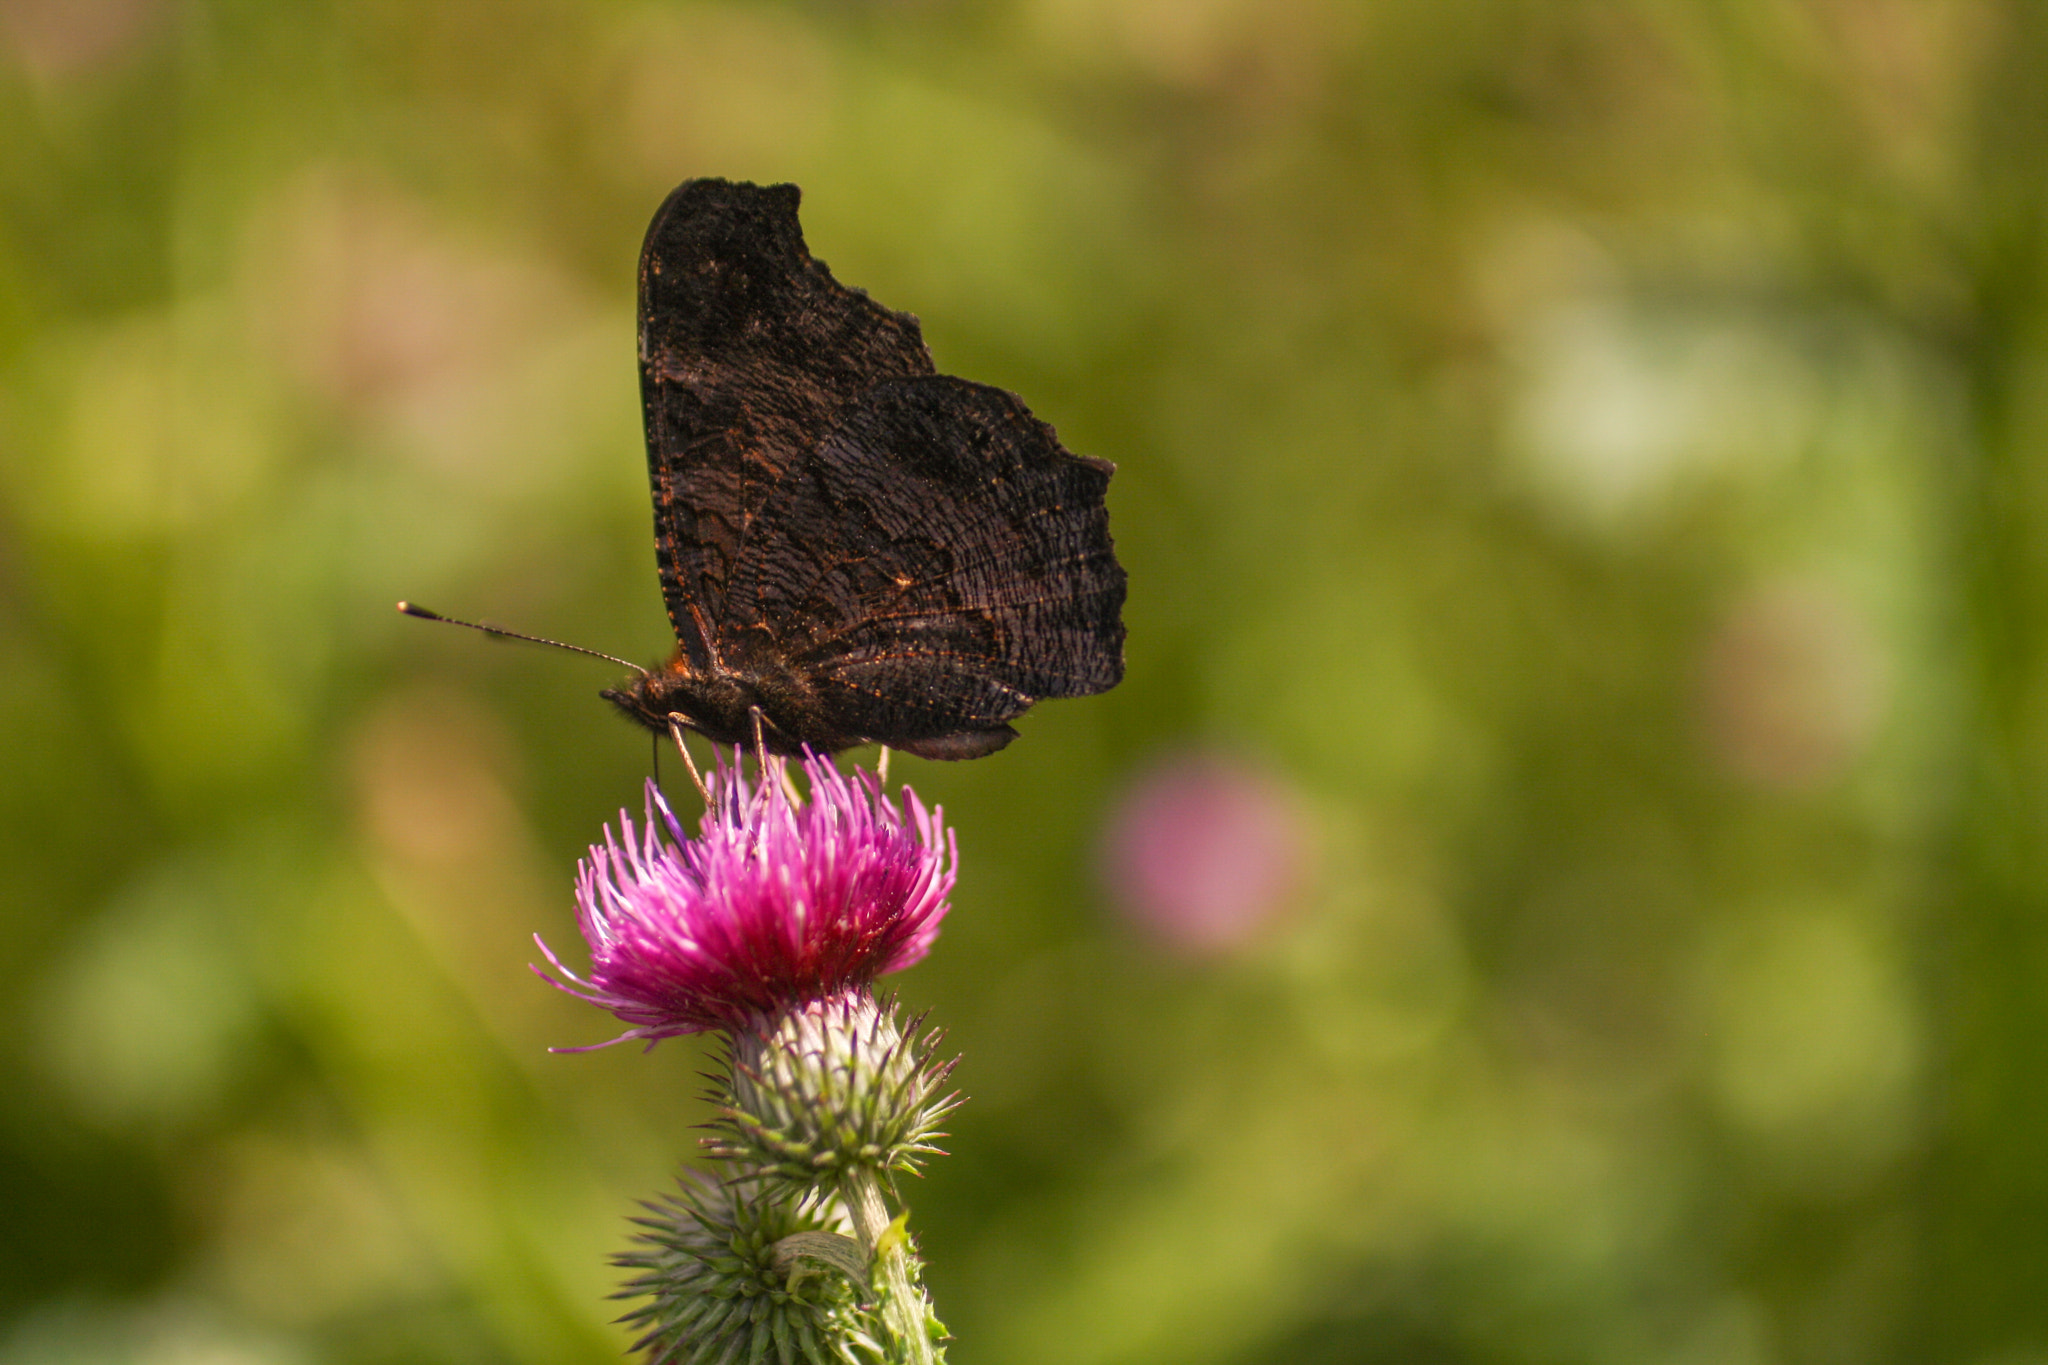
{"x":1587,"y":455}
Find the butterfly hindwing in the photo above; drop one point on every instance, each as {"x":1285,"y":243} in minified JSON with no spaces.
{"x":941,"y":555}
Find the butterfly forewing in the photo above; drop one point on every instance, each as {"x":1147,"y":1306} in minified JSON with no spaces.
{"x":748,"y":351}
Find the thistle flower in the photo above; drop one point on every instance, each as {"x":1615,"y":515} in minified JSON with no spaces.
{"x":776,"y":902}
{"x":835,"y":1089}
{"x":733,"y":1273}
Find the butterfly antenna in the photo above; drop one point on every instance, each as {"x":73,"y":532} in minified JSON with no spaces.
{"x":413,"y":609}
{"x":675,"y":728}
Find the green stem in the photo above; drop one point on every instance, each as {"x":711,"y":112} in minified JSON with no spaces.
{"x":902,"y":1304}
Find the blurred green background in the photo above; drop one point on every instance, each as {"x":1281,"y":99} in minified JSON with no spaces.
{"x":1580,"y":471}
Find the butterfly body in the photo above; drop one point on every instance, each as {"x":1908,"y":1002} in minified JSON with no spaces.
{"x":723,"y":706}
{"x":852,"y":547}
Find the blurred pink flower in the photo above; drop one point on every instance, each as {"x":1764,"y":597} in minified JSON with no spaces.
{"x":60,"y":37}
{"x":1204,"y":851}
{"x":1794,"y":687}
{"x":776,"y":902}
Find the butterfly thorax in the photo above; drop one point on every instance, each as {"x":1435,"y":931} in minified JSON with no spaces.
{"x":721,"y":703}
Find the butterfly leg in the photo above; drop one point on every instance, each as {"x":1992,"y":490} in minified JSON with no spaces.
{"x":762,"y":765}
{"x":675,"y":728}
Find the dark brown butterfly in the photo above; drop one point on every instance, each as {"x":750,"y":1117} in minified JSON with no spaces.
{"x":853,"y":548}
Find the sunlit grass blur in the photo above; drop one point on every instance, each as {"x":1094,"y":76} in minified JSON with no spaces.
{"x":1564,"y":879}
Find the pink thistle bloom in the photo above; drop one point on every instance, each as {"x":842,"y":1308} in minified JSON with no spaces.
{"x":776,"y":902}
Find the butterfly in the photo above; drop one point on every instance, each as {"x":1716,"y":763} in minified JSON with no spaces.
{"x":853,"y":548}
